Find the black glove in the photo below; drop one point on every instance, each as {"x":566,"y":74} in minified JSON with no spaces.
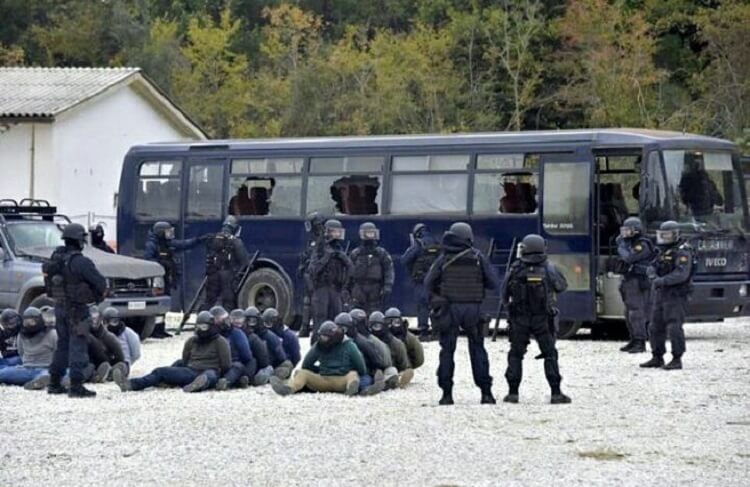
{"x":204,"y":238}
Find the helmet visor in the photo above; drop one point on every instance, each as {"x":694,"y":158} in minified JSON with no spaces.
{"x":49,"y":317}
{"x":169,"y":233}
{"x":202,"y":327}
{"x":335,"y":233}
{"x":29,"y":322}
{"x":237,"y":321}
{"x":627,"y":232}
{"x":308,"y":226}
{"x":369,"y":234}
{"x":666,"y":237}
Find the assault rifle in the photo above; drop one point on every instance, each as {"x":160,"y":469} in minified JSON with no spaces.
{"x":500,"y":306}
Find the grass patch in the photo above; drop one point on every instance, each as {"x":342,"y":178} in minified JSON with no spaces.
{"x":605,"y":455}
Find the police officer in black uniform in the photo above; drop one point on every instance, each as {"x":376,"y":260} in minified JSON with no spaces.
{"x":314,"y":226}
{"x":459,"y":277}
{"x":672,"y":281}
{"x":328,"y":275}
{"x":97,"y":239}
{"x":529,"y":294}
{"x":372,"y":280}
{"x":636,"y":252}
{"x":74,"y":282}
{"x":418,"y":259}
{"x":226,"y":257}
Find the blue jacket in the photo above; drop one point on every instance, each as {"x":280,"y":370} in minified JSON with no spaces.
{"x":151,"y":252}
{"x":240,"y":346}
{"x":416,"y":249}
{"x":290,"y":342}
{"x":275,"y":347}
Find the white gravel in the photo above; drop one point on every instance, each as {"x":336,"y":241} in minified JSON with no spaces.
{"x":626,"y":426}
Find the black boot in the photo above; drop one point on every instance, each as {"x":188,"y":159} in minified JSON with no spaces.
{"x":447,"y":399}
{"x":639,"y":346}
{"x":511,"y":398}
{"x":55,"y":386}
{"x":655,"y":363}
{"x":560,"y":398}
{"x":77,"y":390}
{"x":487,"y":397}
{"x":674,"y":364}
{"x":628,"y":346}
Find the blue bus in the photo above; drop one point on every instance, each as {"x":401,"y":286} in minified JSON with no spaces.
{"x":574,"y":187}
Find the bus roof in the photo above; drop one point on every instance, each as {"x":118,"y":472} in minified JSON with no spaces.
{"x":601,"y":138}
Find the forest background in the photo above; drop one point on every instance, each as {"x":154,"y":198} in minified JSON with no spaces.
{"x":265,"y":68}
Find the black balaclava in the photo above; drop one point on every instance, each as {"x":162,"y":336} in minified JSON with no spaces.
{"x":329,"y":335}
{"x":32,"y":325}
{"x":11,"y":321}
{"x":359,"y":317}
{"x":205,"y":327}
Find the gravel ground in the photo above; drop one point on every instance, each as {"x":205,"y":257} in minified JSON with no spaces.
{"x":626,"y":426}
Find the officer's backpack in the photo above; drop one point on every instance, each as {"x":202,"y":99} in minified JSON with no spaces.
{"x":528,"y":289}
{"x":54,"y":270}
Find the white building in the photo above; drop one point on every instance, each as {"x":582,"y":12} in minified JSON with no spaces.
{"x":64,"y":133}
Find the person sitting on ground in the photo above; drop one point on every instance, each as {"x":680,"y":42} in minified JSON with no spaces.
{"x":289,"y":339}
{"x":374,"y":381}
{"x":258,"y":346}
{"x":205,"y":357}
{"x":10,"y":325}
{"x":36,"y":345}
{"x":130,"y":342}
{"x":340,"y":365}
{"x":243,"y":365}
{"x":400,"y":329}
{"x":282,"y":366}
{"x":399,"y":355}
{"x":359,"y":317}
{"x":105,"y":351}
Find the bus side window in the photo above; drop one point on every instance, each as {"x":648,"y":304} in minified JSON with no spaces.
{"x":511,"y":187}
{"x":158,"y":195}
{"x":265,"y":187}
{"x":348,"y":193}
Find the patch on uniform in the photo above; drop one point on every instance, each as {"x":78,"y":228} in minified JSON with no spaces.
{"x":638,"y":248}
{"x":684,"y":259}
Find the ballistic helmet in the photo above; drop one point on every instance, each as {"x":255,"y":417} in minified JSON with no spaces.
{"x":369,"y":232}
{"x":74,"y":232}
{"x":334,"y":230}
{"x":462,"y":231}
{"x":668,"y":233}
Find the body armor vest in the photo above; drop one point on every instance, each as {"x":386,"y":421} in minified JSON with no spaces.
{"x":368,"y":265}
{"x":462,"y":278}
{"x":529,"y":290}
{"x":220,"y":253}
{"x":423,"y":263}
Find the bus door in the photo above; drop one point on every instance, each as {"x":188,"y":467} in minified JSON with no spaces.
{"x":202,"y":213}
{"x":566,"y":225}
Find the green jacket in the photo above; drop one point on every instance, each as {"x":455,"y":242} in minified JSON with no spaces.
{"x":214,"y":354}
{"x":414,"y":349}
{"x":398,"y":354}
{"x":340,"y":360}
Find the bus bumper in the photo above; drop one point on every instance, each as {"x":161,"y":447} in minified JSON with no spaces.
{"x":139,"y":307}
{"x":714,"y":301}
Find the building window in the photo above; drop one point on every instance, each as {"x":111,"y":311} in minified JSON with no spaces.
{"x":158,"y":193}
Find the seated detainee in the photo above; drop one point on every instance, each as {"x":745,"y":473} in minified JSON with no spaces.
{"x":36,"y":345}
{"x":105,"y":351}
{"x":130,"y":342}
{"x":258,"y":346}
{"x":282,"y":366}
{"x":399,"y":355}
{"x":340,"y":365}
{"x":205,"y":357}
{"x":374,"y":381}
{"x":289,"y":339}
{"x":243,"y":363}
{"x":400,"y":330}
{"x":359,"y":317}
{"x":10,"y":325}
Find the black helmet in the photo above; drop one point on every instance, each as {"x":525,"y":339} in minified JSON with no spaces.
{"x":377,"y":323}
{"x":334,"y":230}
{"x":314,"y":223}
{"x":668,"y":233}
{"x":219,"y":314}
{"x":252,"y":318}
{"x":163,"y":230}
{"x":237,"y":318}
{"x":74,"y":232}
{"x":10,"y":319}
{"x":394,"y":321}
{"x":344,"y":320}
{"x":48,"y":315}
{"x":271,"y":318}
{"x":419,"y":229}
{"x":33,"y":322}
{"x":631,"y":227}
{"x":359,"y":319}
{"x":97,"y":232}
{"x":329,"y":335}
{"x":205,"y":327}
{"x":369,"y":232}
{"x":533,"y":244}
{"x":111,"y":318}
{"x":230,"y":225}
{"x":462,"y":231}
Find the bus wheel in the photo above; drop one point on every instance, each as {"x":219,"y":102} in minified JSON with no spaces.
{"x":266,"y":288}
{"x":568,"y":329}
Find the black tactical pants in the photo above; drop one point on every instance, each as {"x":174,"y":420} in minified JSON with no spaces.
{"x":220,"y":290}
{"x":521,"y":330}
{"x":368,"y":296}
{"x":667,"y":319}
{"x":326,"y":303}
{"x":72,"y":349}
{"x":636,"y":307}
{"x":464,"y":316}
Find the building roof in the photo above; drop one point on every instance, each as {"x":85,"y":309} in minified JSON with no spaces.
{"x":41,"y":94}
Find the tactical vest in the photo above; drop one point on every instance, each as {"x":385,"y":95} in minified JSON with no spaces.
{"x":334,"y":273}
{"x":167,"y":260}
{"x":639,"y":269}
{"x":529,"y":290}
{"x":462,"y":278}
{"x":220,"y":252}
{"x":424,"y":261}
{"x":368,"y":267}
{"x":667,"y":261}
{"x":77,"y":291}
{"x":53,"y":274}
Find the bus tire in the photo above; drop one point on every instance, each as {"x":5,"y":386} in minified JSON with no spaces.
{"x":266,"y":288}
{"x":568,"y":329}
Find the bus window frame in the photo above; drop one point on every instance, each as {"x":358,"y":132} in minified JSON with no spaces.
{"x":534,"y":172}
{"x":189,"y":163}
{"x":139,"y":165}
{"x":267,"y":175}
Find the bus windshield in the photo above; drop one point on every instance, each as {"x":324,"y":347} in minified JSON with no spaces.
{"x":702,"y":190}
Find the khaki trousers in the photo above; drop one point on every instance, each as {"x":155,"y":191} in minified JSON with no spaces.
{"x":321,"y":383}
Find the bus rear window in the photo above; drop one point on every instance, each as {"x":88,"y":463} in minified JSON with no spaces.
{"x":158,"y":193}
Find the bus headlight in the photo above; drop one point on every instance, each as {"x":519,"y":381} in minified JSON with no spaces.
{"x":743,"y":291}
{"x":157,"y":286}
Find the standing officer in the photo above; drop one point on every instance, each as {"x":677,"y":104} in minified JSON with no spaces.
{"x":372,"y":281}
{"x":226,"y":257}
{"x":529,"y":293}
{"x":672,"y":282}
{"x":74,"y":282}
{"x":314,"y":226}
{"x":459,"y":276}
{"x":97,"y":239}
{"x":636,"y":252}
{"x":328,"y":273}
{"x":418,"y":259}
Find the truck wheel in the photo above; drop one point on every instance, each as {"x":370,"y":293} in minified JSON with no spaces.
{"x":149,"y":323}
{"x":568,"y":329}
{"x":267,"y":288}
{"x":40,"y":301}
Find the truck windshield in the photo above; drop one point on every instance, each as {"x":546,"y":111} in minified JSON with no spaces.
{"x":702,"y":190}
{"x":27,"y":235}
